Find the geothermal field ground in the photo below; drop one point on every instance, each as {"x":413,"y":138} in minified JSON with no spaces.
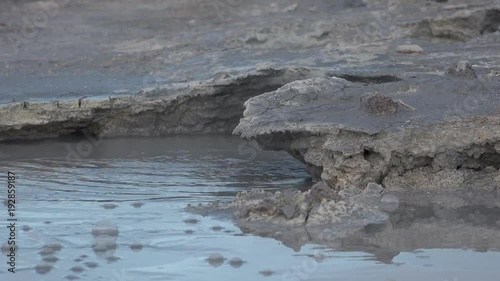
{"x":231,"y":139}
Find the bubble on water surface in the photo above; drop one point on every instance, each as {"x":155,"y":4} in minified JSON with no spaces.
{"x":217,"y":228}
{"x":112,"y":259}
{"x":266,"y":272}
{"x":104,"y":246}
{"x":136,"y":247}
{"x":319,"y":257}
{"x":46,"y":251}
{"x":236,"y":262}
{"x":91,"y":264}
{"x":137,"y":204}
{"x":26,"y":228}
{"x":191,"y":221}
{"x":43,"y":268}
{"x":109,"y":206}
{"x":50,"y":259}
{"x":105,"y":228}
{"x":216,"y":260}
{"x":389,"y":203}
{"x":77,"y":269}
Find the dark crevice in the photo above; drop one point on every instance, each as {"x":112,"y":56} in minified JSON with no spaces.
{"x":78,"y":132}
{"x":366,"y":154}
{"x":307,"y":215}
{"x":491,"y":22}
{"x":376,"y":79}
{"x":459,"y":28}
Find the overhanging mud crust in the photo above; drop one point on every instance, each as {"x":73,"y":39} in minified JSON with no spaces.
{"x":212,"y":108}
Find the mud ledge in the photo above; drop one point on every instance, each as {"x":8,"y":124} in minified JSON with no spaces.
{"x":426,"y":139}
{"x":206,"y":107}
{"x":405,"y":134}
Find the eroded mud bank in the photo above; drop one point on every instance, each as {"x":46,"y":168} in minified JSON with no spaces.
{"x":426,"y":132}
{"x":370,"y":144}
{"x":189,"y":109}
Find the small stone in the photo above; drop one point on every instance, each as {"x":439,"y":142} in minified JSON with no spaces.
{"x":256,"y":38}
{"x":379,"y":104}
{"x":373,"y":188}
{"x":494,"y":73}
{"x":71,"y":277}
{"x":289,"y":210}
{"x":189,"y":231}
{"x":409,"y":49}
{"x":497,"y":180}
{"x":292,"y":7}
{"x":462,"y":69}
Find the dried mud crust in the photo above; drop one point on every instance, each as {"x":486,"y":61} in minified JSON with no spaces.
{"x":348,"y":136}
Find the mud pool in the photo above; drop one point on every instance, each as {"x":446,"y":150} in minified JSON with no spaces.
{"x":117,"y":213}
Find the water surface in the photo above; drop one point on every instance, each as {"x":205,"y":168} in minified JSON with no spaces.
{"x":114,"y":210}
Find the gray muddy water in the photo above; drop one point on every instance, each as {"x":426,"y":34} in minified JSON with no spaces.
{"x":114,"y":210}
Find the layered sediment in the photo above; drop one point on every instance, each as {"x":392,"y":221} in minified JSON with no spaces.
{"x":370,"y":144}
{"x":192,"y":109}
{"x":430,"y":131}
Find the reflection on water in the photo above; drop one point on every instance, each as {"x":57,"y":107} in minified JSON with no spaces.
{"x":117,"y":214}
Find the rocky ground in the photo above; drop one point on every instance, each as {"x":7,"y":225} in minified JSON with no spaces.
{"x":403,"y":95}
